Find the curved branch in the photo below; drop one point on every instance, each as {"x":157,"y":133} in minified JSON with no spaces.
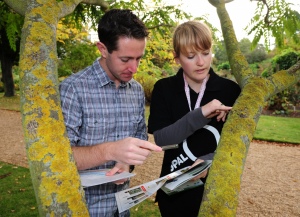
{"x":238,"y":63}
{"x":18,"y":6}
{"x":67,"y":7}
{"x":285,"y":78}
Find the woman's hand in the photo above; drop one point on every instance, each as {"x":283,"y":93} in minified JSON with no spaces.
{"x":201,"y":175}
{"x":215,"y":108}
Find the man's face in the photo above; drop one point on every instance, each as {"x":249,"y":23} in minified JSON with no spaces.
{"x":121,"y":64}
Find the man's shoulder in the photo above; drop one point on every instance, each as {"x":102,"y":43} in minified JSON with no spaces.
{"x":79,"y":77}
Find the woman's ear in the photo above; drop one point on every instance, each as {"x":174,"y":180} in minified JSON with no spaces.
{"x":102,"y":48}
{"x":176,"y":58}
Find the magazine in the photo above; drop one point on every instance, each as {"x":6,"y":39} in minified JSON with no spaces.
{"x":171,"y":184}
{"x":98,"y":177}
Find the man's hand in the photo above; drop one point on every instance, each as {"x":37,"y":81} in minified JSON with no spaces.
{"x":119,"y":168}
{"x":131,"y":151}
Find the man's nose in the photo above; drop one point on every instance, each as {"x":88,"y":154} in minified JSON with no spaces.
{"x":134,"y":66}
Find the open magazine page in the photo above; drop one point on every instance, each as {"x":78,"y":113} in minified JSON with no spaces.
{"x":98,"y":177}
{"x":184,"y":178}
{"x":135,"y":195}
{"x":171,"y":183}
{"x":183,"y":187}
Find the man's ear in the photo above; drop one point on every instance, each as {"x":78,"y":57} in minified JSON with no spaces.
{"x":102,"y":48}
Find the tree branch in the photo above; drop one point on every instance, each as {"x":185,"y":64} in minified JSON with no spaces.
{"x":240,"y":68}
{"x":68,"y":6}
{"x":18,"y":6}
{"x":285,"y":78}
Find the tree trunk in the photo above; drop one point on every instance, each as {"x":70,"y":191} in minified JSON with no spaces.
{"x":7,"y":59}
{"x":54,"y":174}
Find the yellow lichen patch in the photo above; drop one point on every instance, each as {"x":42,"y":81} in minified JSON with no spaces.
{"x":48,"y":11}
{"x":42,"y":32}
{"x":37,"y":151}
{"x":59,"y":164}
{"x":41,"y":71}
{"x":47,"y":188}
{"x":78,"y":207}
{"x":53,"y":55}
{"x":47,"y":159}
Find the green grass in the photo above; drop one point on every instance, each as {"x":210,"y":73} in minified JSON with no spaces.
{"x":17,"y":197}
{"x":278,"y":129}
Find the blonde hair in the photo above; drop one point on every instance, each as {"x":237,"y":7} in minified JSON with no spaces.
{"x":192,"y":35}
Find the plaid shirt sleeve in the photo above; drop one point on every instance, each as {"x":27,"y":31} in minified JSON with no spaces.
{"x":71,"y":111}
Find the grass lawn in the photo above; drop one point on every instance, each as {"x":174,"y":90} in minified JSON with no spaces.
{"x":278,"y":129}
{"x":17,"y":197}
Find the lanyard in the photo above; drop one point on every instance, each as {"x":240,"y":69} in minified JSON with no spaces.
{"x":200,"y":96}
{"x":201,"y":93}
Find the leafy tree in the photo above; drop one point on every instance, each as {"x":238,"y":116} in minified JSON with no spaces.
{"x":277,"y":19}
{"x":220,"y":52}
{"x":157,"y":63}
{"x":57,"y":187}
{"x":10,"y":32}
{"x":253,"y":55}
{"x":290,"y":96}
{"x":75,"y":51}
{"x":257,"y":54}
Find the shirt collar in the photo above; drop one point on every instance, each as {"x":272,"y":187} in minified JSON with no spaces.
{"x":103,"y":77}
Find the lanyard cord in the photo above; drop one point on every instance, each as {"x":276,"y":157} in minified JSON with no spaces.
{"x":200,"y":96}
{"x":201,"y":93}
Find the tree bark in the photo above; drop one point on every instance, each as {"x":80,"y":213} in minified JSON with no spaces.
{"x":54,"y":174}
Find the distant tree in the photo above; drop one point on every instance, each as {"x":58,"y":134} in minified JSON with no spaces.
{"x":10,"y":36}
{"x":75,"y":50}
{"x":258,"y":54}
{"x":219,"y":51}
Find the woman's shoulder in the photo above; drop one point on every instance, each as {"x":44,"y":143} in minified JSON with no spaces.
{"x":169,"y":81}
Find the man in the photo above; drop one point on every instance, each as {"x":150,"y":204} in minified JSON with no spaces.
{"x":103,"y":108}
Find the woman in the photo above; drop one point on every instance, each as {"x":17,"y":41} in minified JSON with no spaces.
{"x":189,"y":109}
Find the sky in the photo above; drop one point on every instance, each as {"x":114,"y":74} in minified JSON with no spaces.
{"x":240,"y":12}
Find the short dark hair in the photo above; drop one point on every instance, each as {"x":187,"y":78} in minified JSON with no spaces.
{"x":118,"y":23}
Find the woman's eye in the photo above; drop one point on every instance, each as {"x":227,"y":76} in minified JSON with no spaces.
{"x":190,"y":57}
{"x":206,"y":53}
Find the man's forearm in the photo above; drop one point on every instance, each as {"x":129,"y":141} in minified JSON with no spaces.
{"x":91,"y":156}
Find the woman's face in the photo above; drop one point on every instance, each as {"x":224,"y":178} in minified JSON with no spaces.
{"x":195,"y":64}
